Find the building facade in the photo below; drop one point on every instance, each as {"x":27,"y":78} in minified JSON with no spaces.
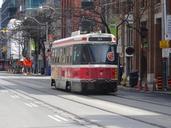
{"x":83,"y":15}
{"x":148,"y":57}
{"x":9,"y":8}
{"x":143,"y":27}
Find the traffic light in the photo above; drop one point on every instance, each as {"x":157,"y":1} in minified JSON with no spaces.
{"x":129,"y":51}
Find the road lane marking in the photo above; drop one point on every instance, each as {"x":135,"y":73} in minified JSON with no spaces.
{"x":34,"y":105}
{"x":54,"y":118}
{"x":61,"y":118}
{"x":15,"y":96}
{"x":31,"y":105}
{"x":4,"y":91}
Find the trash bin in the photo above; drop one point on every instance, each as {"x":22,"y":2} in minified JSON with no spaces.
{"x":133,"y":79}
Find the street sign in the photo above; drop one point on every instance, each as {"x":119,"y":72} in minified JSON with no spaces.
{"x":165,"y":44}
{"x":168,"y":28}
{"x":129,"y":18}
{"x":165,"y":52}
{"x":129,"y":51}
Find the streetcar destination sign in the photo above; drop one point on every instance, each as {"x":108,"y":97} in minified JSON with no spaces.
{"x":100,"y":39}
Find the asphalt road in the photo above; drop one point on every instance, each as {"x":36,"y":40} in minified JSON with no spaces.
{"x":30,"y":102}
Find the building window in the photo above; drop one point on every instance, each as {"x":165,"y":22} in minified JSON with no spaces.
{"x":87,"y":4}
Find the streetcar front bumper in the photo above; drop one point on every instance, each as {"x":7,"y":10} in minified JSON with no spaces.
{"x":99,"y":85}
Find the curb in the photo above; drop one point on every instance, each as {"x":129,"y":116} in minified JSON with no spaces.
{"x":133,"y":89}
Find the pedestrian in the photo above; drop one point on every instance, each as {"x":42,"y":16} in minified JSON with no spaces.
{"x":27,"y":62}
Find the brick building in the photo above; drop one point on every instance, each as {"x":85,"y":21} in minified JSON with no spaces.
{"x":80,"y":15}
{"x":147,"y":20}
{"x":152,"y":25}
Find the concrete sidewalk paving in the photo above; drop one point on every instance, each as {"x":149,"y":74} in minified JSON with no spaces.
{"x":22,"y":74}
{"x":134,"y":89}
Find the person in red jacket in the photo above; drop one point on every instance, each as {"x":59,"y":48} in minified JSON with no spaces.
{"x":27,"y":63}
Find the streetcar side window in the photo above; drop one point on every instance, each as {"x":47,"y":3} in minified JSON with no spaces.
{"x":67,"y":55}
{"x":76,"y":54}
{"x":57,"y":55}
{"x":70,"y":54}
{"x":53,"y":56}
{"x":60,"y":55}
{"x":63,"y":55}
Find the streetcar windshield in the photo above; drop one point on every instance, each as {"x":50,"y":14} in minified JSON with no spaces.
{"x":94,"y":54}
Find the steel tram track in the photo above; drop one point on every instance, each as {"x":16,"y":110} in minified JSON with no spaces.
{"x":123,"y":97}
{"x":88,"y":121}
{"x":163,"y":113}
{"x":150,"y":102}
{"x":132,"y":99}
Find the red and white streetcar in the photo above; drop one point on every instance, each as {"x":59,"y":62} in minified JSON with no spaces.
{"x":86,"y":62}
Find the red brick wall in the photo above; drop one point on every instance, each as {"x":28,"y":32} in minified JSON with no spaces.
{"x":71,"y":11}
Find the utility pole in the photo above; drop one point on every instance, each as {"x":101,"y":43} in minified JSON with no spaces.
{"x":166,"y":37}
{"x":117,"y":41}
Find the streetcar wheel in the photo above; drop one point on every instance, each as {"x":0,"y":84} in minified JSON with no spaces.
{"x":84,"y":89}
{"x":53,"y":83}
{"x":68,"y":86}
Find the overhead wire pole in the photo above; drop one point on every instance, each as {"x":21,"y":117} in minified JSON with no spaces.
{"x":165,"y":60}
{"x":117,"y":41}
{"x":47,"y":38}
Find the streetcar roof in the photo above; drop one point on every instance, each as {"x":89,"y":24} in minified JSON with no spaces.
{"x":83,"y":38}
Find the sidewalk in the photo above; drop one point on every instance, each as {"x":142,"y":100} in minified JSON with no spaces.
{"x":134,"y":89}
{"x":33,"y":74}
{"x":22,"y":74}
